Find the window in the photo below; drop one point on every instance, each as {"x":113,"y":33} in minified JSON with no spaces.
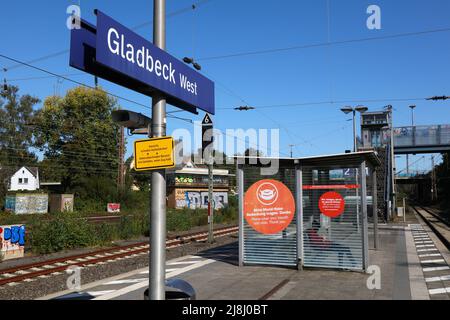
{"x":20,"y":181}
{"x":25,"y":180}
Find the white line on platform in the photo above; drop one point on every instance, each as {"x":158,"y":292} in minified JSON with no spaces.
{"x":167,"y":270}
{"x":425,"y":250}
{"x":431,"y":269}
{"x":183,"y":262}
{"x":99,"y":293}
{"x":435,"y":279}
{"x":433,"y":261}
{"x":439,"y":291}
{"x":144,"y":284}
{"x":425,"y":245}
{"x":126,"y":281}
{"x":429,"y":255}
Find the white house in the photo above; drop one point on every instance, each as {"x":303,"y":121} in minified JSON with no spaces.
{"x":26,"y":178}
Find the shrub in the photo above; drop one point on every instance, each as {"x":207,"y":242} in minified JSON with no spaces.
{"x":60,"y":233}
{"x":178,"y":221}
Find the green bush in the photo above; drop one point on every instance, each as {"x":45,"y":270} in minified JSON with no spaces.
{"x":178,"y":221}
{"x":106,"y":233}
{"x":62,"y":232}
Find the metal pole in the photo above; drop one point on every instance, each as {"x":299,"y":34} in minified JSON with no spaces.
{"x":404,"y":210}
{"x":240,"y":188}
{"x":375,"y":208}
{"x":412,"y":127}
{"x":392,"y":173}
{"x":433,"y":189}
{"x":354,"y":130}
{"x":363,"y":222}
{"x":210,"y":200}
{"x":158,"y":187}
{"x":407,"y":165}
{"x":299,"y":214}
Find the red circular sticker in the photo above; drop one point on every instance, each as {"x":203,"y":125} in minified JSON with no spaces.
{"x":269,"y":206}
{"x":332,"y":204}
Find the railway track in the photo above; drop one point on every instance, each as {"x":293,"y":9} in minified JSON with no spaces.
{"x":44,"y":269}
{"x":439,"y":225}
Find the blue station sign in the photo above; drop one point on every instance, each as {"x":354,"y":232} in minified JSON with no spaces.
{"x":115,"y":53}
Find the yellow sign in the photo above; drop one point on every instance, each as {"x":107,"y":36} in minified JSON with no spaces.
{"x":152,"y":154}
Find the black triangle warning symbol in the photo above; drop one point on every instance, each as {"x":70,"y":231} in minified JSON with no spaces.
{"x":207,"y":120}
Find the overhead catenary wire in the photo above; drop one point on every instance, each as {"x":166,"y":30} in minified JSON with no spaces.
{"x":325,"y":102}
{"x":139,"y":26}
{"x":322,"y":44}
{"x":79,"y":83}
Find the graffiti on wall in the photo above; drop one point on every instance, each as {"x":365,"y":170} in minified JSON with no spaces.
{"x":12,"y":241}
{"x":194,"y":199}
{"x":10,"y":203}
{"x":31,"y":203}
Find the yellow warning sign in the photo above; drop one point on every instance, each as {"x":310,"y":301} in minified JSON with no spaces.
{"x":152,"y":154}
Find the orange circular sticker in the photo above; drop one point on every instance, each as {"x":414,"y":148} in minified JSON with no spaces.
{"x":269,"y":206}
{"x":331,"y":204}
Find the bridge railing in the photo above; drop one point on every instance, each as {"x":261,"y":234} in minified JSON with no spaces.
{"x":435,"y":135}
{"x":412,"y":174}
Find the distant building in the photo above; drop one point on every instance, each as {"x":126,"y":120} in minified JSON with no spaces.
{"x":25,"y":179}
{"x":187,"y":187}
{"x":376,"y":136}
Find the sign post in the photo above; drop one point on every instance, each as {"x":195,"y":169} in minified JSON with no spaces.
{"x":113,"y":52}
{"x":207,"y":150}
{"x":158,"y":194}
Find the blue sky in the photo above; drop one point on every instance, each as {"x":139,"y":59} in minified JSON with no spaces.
{"x":408,"y":67}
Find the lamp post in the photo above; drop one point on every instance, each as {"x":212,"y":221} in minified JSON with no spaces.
{"x":291,"y":146}
{"x":347,"y":110}
{"x":412,"y":128}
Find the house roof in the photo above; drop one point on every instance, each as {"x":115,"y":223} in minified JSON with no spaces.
{"x":33,"y":170}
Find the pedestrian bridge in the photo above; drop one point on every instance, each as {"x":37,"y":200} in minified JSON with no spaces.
{"x":422,"y":139}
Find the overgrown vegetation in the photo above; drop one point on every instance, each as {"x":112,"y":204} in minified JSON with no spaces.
{"x":63,"y":231}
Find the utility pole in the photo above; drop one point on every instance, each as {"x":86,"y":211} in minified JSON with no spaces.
{"x":158,"y":187}
{"x":210,"y":200}
{"x":412,"y":128}
{"x":291,"y":146}
{"x":120,"y":176}
{"x":433,"y":180}
{"x":392,"y":173}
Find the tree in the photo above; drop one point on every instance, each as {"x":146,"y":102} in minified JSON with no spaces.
{"x":79,"y":139}
{"x":16,"y":136}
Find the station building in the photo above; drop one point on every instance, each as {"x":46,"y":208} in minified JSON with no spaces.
{"x":187,"y":187}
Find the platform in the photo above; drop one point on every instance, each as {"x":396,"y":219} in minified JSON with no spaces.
{"x":409,"y":257}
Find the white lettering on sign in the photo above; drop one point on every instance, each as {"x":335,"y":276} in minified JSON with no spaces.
{"x":143,"y":58}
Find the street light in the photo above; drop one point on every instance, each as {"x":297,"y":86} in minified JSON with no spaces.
{"x":412,"y":114}
{"x":412,"y":107}
{"x":347,"y":110}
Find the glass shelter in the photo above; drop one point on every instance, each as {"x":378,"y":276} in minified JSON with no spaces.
{"x":307,"y":212}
